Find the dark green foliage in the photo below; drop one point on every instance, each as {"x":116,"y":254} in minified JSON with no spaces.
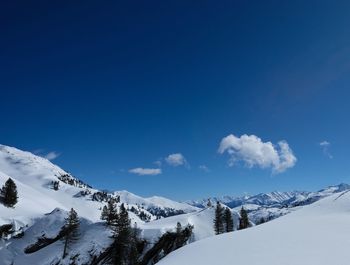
{"x":127,"y":246}
{"x":8,"y":193}
{"x":164,"y":212}
{"x":70,"y":230}
{"x":228,"y":221}
{"x":135,"y":249}
{"x":55,"y":185}
{"x":261,"y":221}
{"x":167,"y":243}
{"x":101,"y":196}
{"x":110,"y":213}
{"x":70,"y":180}
{"x":244,"y":220}
{"x":219,"y":219}
{"x":123,"y":223}
{"x":140,"y":213}
{"x":178,"y":228}
{"x":5,"y":230}
{"x":209,"y":204}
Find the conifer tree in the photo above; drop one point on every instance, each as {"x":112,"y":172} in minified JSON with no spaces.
{"x":178,"y":228}
{"x":209,"y":204}
{"x":8,"y":193}
{"x":70,"y":230}
{"x":219,"y":219}
{"x":123,"y":223}
{"x":109,"y":213}
{"x":243,"y":221}
{"x":262,"y":220}
{"x":134,"y":242}
{"x":228,"y":220}
{"x":122,"y":238}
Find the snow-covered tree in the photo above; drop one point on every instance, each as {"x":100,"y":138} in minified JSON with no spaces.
{"x":228,"y":220}
{"x":70,"y":230}
{"x":244,"y":220}
{"x":110,"y":213}
{"x":178,"y":228}
{"x":209,"y":204}
{"x":219,"y":219}
{"x":55,"y":185}
{"x":8,"y":193}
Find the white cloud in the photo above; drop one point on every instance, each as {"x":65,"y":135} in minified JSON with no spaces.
{"x":325,"y":145}
{"x":176,"y":160}
{"x":254,"y":152}
{"x":204,"y":168}
{"x":52,"y":155}
{"x":145,"y":171}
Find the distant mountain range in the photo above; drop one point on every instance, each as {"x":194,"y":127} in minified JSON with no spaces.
{"x":273,"y":199}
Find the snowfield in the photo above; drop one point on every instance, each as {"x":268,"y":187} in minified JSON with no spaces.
{"x":306,"y":233}
{"x":317,"y":234}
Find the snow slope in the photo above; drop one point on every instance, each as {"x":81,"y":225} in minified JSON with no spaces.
{"x":34,"y":175}
{"x":317,"y":234}
{"x":94,"y":239}
{"x":269,"y":206}
{"x":154,"y":202}
{"x":201,"y":220}
{"x":41,"y":211}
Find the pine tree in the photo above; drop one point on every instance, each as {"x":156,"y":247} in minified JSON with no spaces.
{"x":178,"y":228}
{"x":134,"y":243}
{"x":228,"y":220}
{"x":8,"y":193}
{"x":244,"y":220}
{"x":122,"y":238}
{"x":70,"y":230}
{"x":109,"y":213}
{"x":209,"y":204}
{"x":219,"y":220}
{"x":262,"y":220}
{"x":56,"y":185}
{"x":123,"y":220}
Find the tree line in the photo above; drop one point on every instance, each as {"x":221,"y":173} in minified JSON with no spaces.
{"x":223,"y":221}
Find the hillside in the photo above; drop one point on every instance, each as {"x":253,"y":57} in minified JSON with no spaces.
{"x":41,"y":210}
{"x":39,"y":214}
{"x":317,"y":234}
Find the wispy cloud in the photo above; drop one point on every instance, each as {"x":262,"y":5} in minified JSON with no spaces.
{"x":254,"y":152}
{"x":52,"y":155}
{"x":325,"y":145}
{"x":158,"y":163}
{"x":145,"y":171}
{"x":204,"y":168}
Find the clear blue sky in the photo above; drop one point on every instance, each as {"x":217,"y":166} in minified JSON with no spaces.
{"x":117,"y":85}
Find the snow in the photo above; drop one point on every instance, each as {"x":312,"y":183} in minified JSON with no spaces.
{"x":154,"y":202}
{"x":94,"y":236}
{"x":317,"y":234}
{"x":41,"y":211}
{"x":33,"y":176}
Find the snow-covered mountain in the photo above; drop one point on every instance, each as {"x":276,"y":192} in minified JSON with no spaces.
{"x":157,"y":206}
{"x":46,"y":193}
{"x":272,"y":199}
{"x":41,"y":209}
{"x":271,"y":205}
{"x":317,"y":234}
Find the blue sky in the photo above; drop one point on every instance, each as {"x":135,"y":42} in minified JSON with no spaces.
{"x":111,"y":87}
